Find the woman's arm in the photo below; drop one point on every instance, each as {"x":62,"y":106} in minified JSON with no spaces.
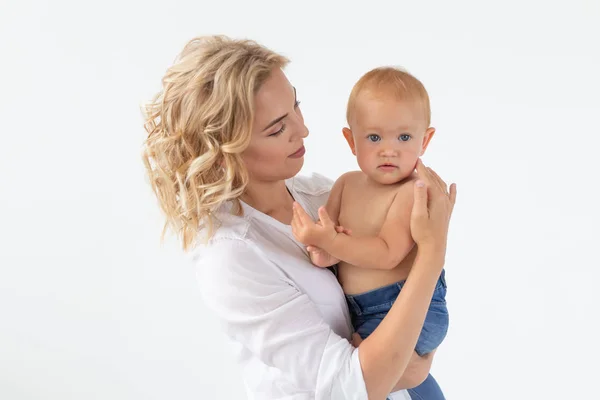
{"x":385,"y":354}
{"x":416,"y":371}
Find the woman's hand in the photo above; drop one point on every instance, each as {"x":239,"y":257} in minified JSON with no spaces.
{"x":432,"y":210}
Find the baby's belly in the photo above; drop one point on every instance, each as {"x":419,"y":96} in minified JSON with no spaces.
{"x":355,"y":280}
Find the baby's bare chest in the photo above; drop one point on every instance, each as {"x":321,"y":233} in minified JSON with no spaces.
{"x":364,"y":209}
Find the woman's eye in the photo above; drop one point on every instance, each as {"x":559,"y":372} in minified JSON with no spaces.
{"x":279,"y":132}
{"x":374,"y":138}
{"x":405,"y":137}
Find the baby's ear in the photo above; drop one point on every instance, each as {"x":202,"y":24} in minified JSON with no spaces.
{"x":426,"y":139}
{"x":350,"y":139}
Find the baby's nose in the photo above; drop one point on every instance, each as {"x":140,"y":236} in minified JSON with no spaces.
{"x":389,"y":152}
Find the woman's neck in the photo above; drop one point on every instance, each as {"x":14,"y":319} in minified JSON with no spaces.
{"x":270,"y":198}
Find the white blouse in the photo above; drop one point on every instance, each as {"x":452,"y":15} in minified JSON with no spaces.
{"x":287,"y":320}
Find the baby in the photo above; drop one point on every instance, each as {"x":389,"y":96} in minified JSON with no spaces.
{"x":388,"y":116}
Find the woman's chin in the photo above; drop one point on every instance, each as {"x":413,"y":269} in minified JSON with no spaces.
{"x":295,"y":167}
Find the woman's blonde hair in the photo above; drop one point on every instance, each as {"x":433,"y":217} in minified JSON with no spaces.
{"x":198,"y":125}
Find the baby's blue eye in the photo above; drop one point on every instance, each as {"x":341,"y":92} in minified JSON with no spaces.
{"x":405,"y":137}
{"x":374,"y":138}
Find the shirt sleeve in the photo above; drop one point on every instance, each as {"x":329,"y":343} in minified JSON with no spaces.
{"x":261,"y":309}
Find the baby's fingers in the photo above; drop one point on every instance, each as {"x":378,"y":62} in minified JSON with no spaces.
{"x":324,"y":217}
{"x":301,"y":215}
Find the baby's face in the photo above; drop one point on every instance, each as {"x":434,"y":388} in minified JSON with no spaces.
{"x":389,"y":136}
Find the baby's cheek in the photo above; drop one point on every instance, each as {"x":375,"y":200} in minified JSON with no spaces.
{"x":414,"y":152}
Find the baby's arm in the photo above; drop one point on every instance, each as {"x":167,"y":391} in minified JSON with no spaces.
{"x":334,"y":202}
{"x":384,"y":251}
{"x":318,"y":256}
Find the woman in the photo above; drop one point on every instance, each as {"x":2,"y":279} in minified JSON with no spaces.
{"x":225,"y":144}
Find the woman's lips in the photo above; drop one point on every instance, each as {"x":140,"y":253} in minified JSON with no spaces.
{"x":298,"y":153}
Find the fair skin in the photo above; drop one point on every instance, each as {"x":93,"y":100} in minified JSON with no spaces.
{"x":387,"y":136}
{"x":277,"y":133}
{"x":386,"y":356}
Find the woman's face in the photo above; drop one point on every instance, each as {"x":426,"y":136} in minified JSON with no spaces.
{"x":276,"y":149}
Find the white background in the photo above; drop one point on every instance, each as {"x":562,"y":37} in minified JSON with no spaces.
{"x":93,"y":307}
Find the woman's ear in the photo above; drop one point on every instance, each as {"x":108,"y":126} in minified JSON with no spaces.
{"x":426,"y":139}
{"x":350,"y":139}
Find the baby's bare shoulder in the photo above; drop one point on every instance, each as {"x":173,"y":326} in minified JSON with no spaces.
{"x":352,"y":178}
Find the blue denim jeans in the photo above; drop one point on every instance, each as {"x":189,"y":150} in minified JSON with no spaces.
{"x":368,"y":309}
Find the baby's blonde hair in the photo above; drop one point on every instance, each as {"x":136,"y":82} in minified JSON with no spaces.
{"x":198,"y":125}
{"x":395,"y":82}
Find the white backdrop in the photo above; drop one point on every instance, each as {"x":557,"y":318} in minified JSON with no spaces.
{"x":93,"y":307}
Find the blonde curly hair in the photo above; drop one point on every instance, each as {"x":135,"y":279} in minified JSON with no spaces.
{"x":198,"y":125}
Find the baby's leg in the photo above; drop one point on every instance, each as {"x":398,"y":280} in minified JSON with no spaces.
{"x":364,"y":327}
{"x":367,"y":310}
{"x":428,"y":390}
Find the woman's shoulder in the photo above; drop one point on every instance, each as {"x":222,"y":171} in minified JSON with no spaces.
{"x":314,"y":184}
{"x":235,"y":240}
{"x":312,"y":191}
{"x":224,"y":245}
{"x":224,"y":253}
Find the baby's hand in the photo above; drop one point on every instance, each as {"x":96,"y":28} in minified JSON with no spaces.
{"x":320,"y":257}
{"x":308,"y":232}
